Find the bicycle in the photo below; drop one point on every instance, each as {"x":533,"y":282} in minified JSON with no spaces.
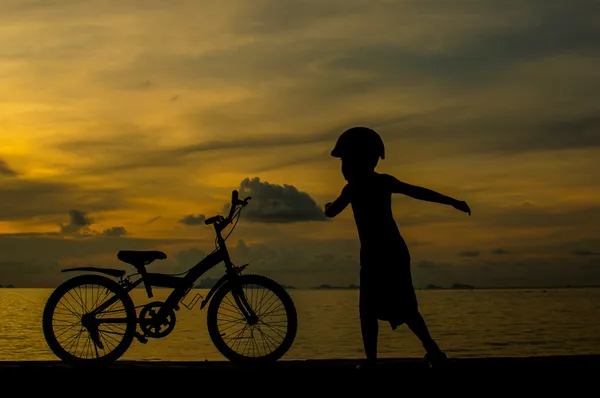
{"x":157,"y":319}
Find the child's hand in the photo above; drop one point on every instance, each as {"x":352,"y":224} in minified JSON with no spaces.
{"x":462,"y":206}
{"x":327,"y":205}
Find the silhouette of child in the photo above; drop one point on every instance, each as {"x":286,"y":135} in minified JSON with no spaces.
{"x":386,"y":289}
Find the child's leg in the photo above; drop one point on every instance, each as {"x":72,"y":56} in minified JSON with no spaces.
{"x":417,"y":325}
{"x":369,"y":324}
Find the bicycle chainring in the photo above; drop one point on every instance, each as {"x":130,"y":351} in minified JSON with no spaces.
{"x":148,"y":315}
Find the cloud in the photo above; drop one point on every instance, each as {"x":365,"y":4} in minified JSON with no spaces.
{"x":78,"y":221}
{"x":190,"y":257}
{"x":80,"y":224}
{"x":500,"y":98}
{"x":134,"y":148}
{"x":500,"y":251}
{"x":479,"y":59}
{"x":28,"y":198}
{"x":469,"y":253}
{"x":273,"y":203}
{"x":528,"y":215}
{"x":540,"y":272}
{"x":153,"y":219}
{"x":115,"y":232}
{"x":425,"y":264}
{"x":5,"y":169}
{"x":35,"y":259}
{"x":551,"y":133}
{"x":193,"y":219}
{"x":584,"y":252}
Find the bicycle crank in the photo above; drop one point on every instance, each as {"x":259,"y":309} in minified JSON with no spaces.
{"x":151,"y":325}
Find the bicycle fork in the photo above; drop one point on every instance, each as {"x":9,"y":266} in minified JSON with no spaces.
{"x":240,"y":299}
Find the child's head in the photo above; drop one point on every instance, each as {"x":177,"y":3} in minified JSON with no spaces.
{"x":360,"y":149}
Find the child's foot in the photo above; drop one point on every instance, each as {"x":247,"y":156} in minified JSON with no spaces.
{"x":436,"y":359}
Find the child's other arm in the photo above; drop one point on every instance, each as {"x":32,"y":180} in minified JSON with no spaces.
{"x":425,"y":194}
{"x":334,"y":208}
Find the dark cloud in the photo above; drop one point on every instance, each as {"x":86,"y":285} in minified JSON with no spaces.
{"x":192,"y":219}
{"x":575,"y":132}
{"x":479,"y":59}
{"x":78,"y":221}
{"x":135,"y":149}
{"x":425,"y":264}
{"x":301,"y":262}
{"x":28,"y":273}
{"x":189,"y":257}
{"x":132,"y":147}
{"x":548,"y":129}
{"x":313,"y":70}
{"x":263,"y":62}
{"x":528,"y":215}
{"x":115,"y":232}
{"x":584,"y":252}
{"x":541,"y":272}
{"x":5,"y":169}
{"x":500,"y":251}
{"x":252,"y":141}
{"x":112,"y":139}
{"x":35,"y":259}
{"x":547,"y":133}
{"x":309,"y":262}
{"x":513,"y":216}
{"x":81,"y":224}
{"x":320,"y":156}
{"x":273,"y":203}
{"x":153,"y":219}
{"x":26,"y":199}
{"x":268,"y":17}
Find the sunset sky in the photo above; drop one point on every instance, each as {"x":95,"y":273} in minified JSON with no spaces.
{"x":123,"y":123}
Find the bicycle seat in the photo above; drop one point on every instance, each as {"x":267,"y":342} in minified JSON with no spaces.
{"x":140,"y":257}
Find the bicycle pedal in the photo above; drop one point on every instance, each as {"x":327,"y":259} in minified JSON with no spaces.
{"x":141,"y":338}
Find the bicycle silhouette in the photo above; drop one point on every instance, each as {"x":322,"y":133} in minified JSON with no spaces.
{"x":106,"y":342}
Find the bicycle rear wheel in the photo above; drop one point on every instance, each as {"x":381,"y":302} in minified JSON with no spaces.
{"x":241,"y":342}
{"x":73,"y":338}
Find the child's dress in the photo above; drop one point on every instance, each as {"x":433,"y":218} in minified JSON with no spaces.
{"x":386,"y":288}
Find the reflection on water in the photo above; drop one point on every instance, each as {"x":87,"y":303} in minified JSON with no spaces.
{"x":466,"y":324}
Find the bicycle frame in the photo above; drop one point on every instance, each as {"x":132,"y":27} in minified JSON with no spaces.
{"x":182,"y":285}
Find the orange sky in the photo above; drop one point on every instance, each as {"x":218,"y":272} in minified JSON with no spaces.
{"x":136,"y":114}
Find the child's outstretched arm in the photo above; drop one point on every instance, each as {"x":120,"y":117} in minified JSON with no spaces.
{"x":334,"y":208}
{"x":425,"y":194}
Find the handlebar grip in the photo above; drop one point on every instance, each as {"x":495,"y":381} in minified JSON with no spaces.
{"x":234,"y":196}
{"x":211,"y":220}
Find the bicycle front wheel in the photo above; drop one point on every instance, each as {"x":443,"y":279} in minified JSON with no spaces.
{"x":78,"y":338}
{"x":265,"y":340}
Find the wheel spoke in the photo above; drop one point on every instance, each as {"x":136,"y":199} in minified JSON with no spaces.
{"x":268,"y":336}
{"x":69,"y":327}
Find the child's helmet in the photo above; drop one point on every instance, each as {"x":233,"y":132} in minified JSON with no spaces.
{"x":360,"y":141}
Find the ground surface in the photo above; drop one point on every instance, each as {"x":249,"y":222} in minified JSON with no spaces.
{"x":291,"y":377}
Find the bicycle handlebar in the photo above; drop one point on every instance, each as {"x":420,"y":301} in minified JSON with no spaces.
{"x":235,"y":202}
